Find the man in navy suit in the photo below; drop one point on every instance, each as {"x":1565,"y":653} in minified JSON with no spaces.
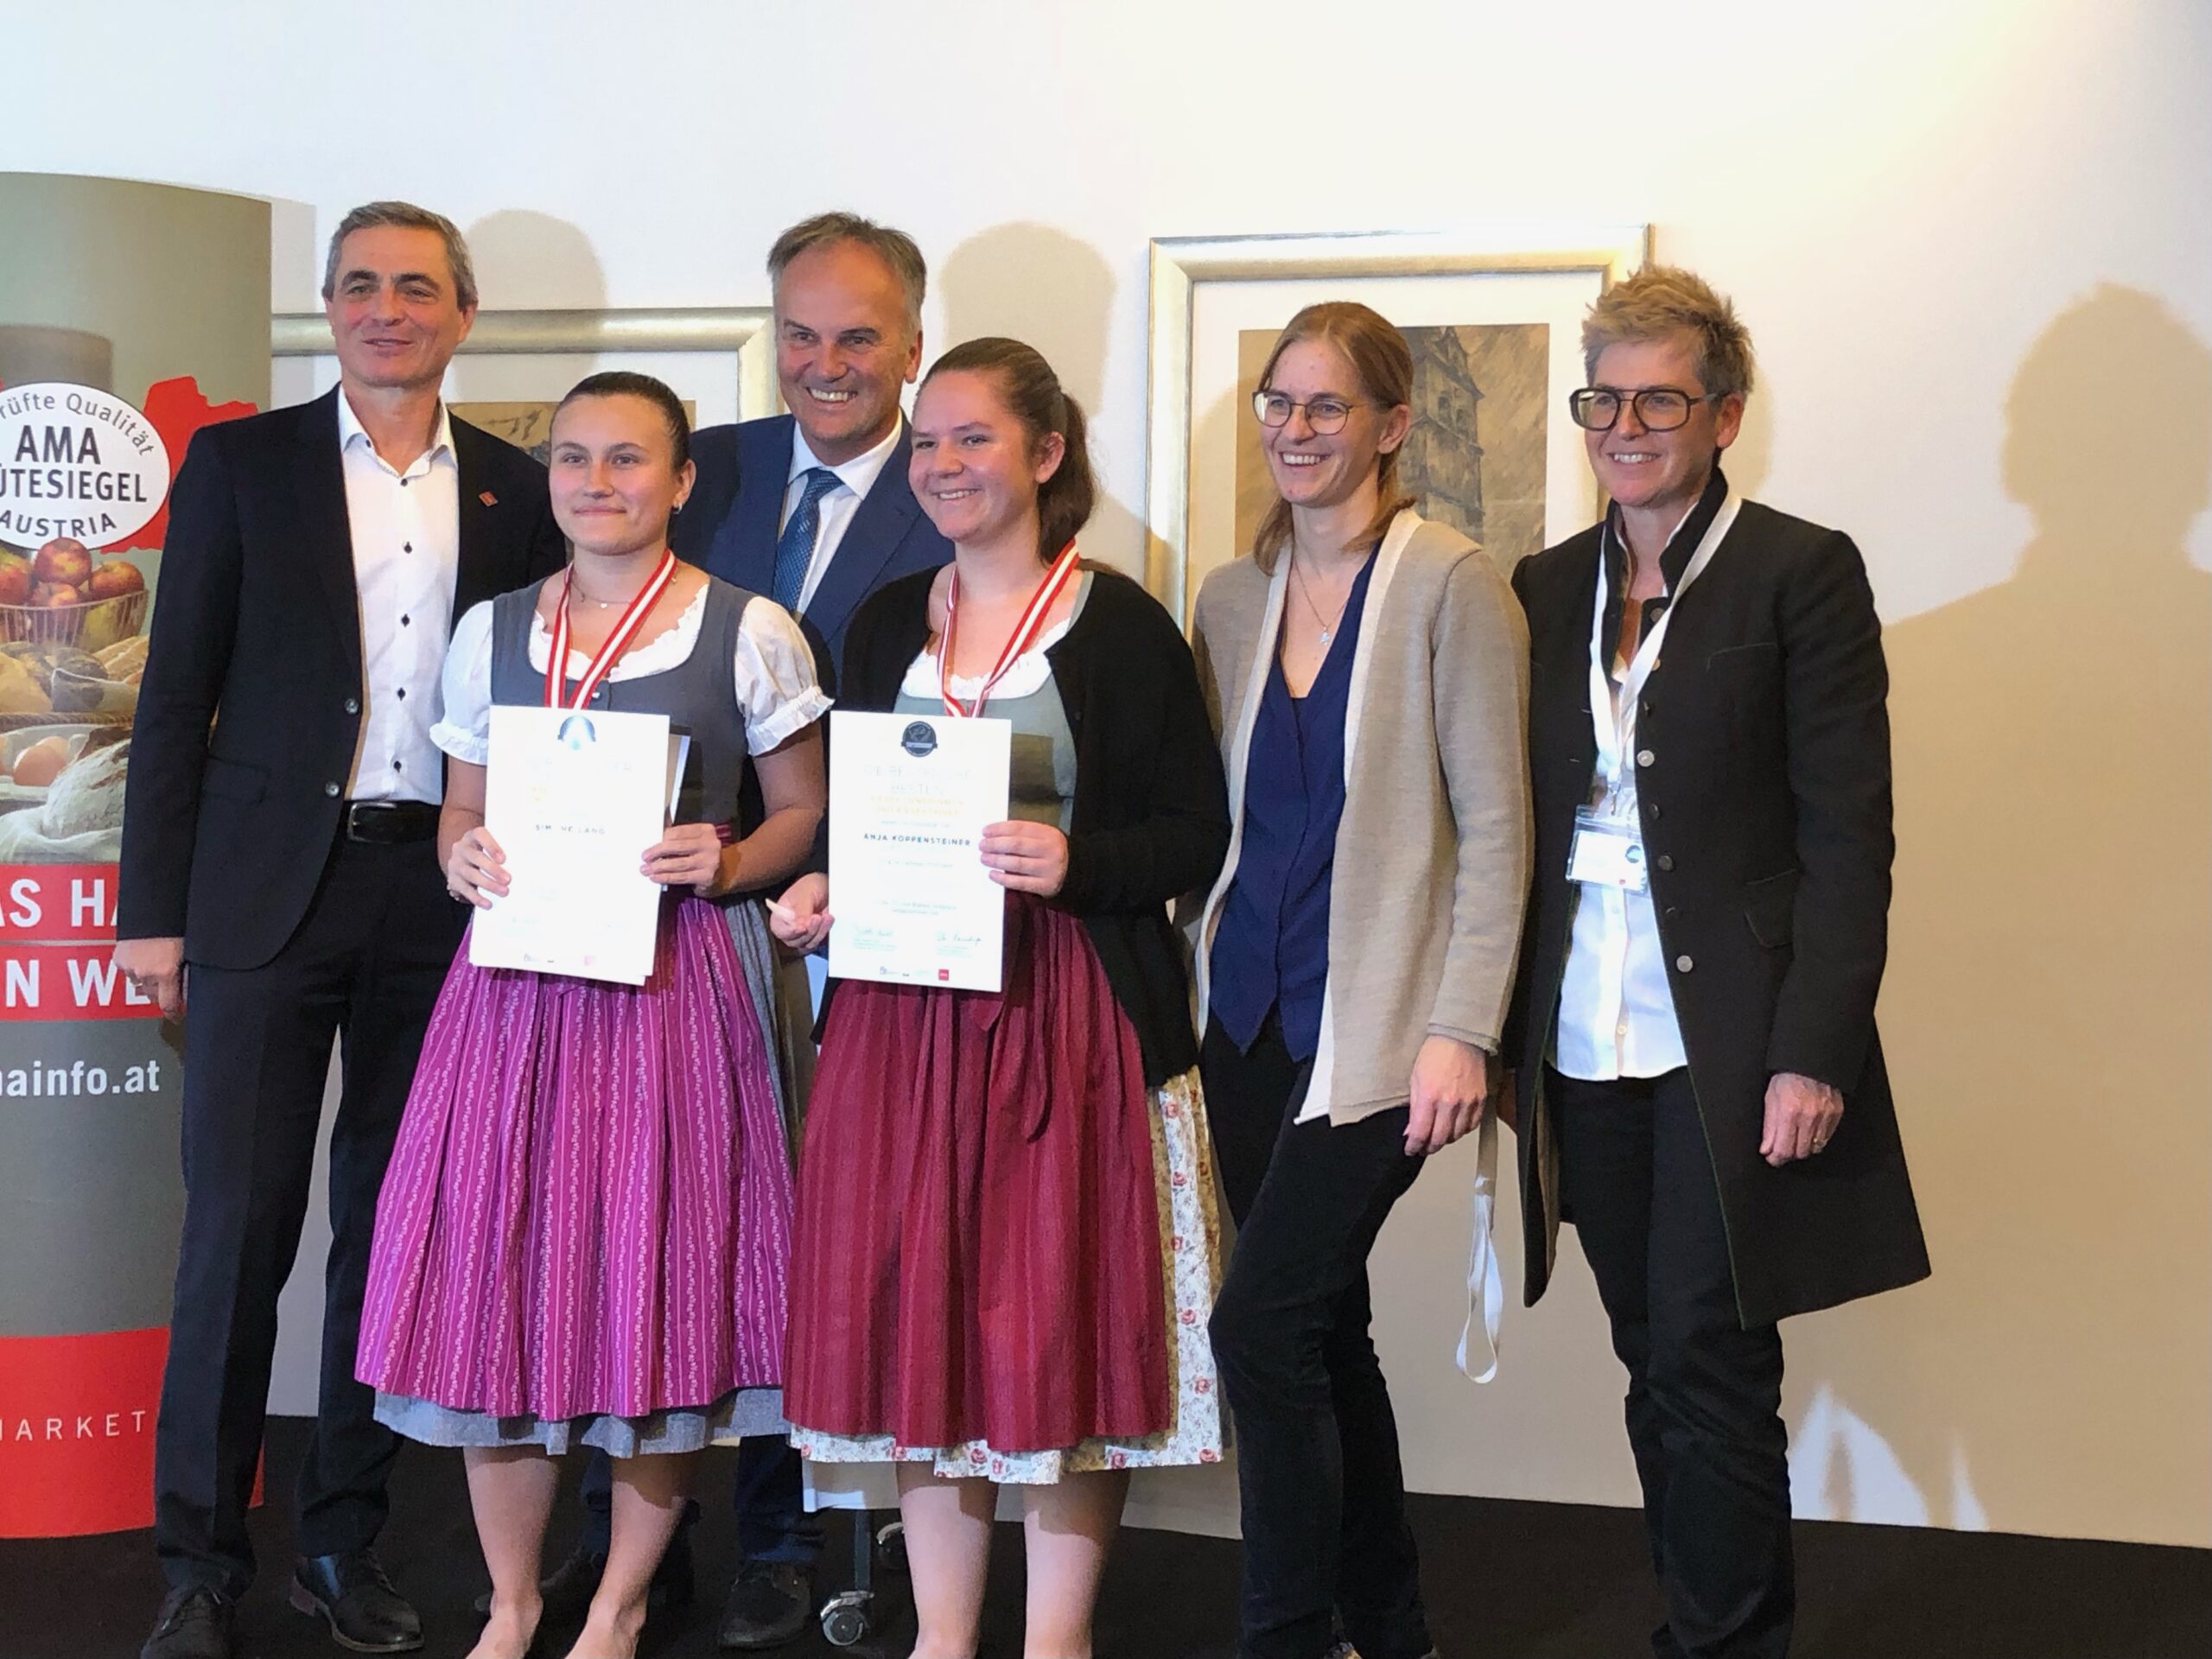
{"x":813,"y":509}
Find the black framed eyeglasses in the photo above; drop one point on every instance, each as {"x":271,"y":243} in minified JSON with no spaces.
{"x":1323,"y":414}
{"x":1660,"y":409}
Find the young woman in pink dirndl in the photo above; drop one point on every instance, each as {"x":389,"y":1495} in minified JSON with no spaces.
{"x":583,"y":1233}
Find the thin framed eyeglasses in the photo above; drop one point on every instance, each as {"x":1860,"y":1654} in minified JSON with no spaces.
{"x":1660,"y":409}
{"x":1323,"y":414}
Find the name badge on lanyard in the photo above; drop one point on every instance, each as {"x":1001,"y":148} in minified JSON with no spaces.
{"x":1607,"y":852}
{"x":1608,"y":846}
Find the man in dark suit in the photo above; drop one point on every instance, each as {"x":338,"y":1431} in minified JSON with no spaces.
{"x":1700,"y":1088}
{"x":280,"y":884}
{"x":813,"y":509}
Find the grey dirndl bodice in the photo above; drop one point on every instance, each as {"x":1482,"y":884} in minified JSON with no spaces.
{"x":699,"y":696}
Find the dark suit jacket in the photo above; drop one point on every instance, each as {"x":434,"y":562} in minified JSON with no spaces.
{"x":730,"y":524}
{"x":1766,"y":826}
{"x":251,"y":708}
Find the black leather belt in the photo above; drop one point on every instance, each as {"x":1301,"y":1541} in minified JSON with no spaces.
{"x":389,"y":824}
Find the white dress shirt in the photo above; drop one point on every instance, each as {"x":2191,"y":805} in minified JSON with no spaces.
{"x":1616,"y":1009}
{"x":855,"y":478}
{"x":406,"y":533}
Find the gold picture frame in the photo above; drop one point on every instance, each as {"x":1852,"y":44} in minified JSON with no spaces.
{"x":744,"y":333}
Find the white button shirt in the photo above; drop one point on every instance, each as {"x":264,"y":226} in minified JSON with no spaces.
{"x":1616,"y":1007}
{"x":406,"y":533}
{"x":855,"y":479}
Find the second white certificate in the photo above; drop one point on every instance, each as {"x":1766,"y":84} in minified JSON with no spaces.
{"x":910,"y":796}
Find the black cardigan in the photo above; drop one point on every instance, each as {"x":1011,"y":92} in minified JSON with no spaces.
{"x":1150,"y":820}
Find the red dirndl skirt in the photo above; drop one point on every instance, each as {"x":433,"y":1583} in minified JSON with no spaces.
{"x":976,"y":1247}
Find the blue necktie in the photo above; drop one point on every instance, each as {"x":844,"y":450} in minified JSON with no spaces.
{"x":795,"y":547}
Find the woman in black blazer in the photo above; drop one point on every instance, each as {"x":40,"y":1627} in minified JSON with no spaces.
{"x":1699,"y":1088}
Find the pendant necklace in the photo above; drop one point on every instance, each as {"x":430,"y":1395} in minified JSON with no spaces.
{"x":1328,"y":625}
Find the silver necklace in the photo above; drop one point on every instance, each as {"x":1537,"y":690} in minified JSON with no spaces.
{"x":1328,"y":624}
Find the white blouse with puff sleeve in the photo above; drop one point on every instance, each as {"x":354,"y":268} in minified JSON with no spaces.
{"x":774,"y":673}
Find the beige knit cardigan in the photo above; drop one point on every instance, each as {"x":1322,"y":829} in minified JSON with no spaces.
{"x":1432,"y":858}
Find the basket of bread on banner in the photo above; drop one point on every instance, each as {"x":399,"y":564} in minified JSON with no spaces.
{"x":73,"y":647}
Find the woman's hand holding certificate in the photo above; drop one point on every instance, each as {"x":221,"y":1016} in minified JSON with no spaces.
{"x":690,"y":856}
{"x":476,"y":869}
{"x":801,"y":917}
{"x":1026,"y":856}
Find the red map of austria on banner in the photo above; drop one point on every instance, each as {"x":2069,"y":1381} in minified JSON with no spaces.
{"x":88,"y":1075}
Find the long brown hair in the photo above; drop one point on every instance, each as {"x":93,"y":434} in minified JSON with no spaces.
{"x":1034,"y":395}
{"x":1385,"y":364}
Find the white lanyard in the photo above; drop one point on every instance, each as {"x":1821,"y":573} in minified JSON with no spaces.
{"x":1485,"y":1285}
{"x":1616,"y":726}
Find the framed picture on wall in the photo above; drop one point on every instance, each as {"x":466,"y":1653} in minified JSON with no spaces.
{"x":1494,"y":318}
{"x":515,"y":366}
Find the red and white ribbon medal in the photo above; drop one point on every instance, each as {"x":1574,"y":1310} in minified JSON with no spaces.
{"x":1026,"y":631}
{"x":618,"y":641}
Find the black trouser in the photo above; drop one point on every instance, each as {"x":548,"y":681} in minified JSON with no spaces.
{"x":364,"y":964}
{"x":1704,"y":1392}
{"x":769,"y":1497}
{"x":1325,"y":1536}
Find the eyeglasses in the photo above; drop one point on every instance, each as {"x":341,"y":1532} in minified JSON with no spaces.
{"x":1323,"y":414}
{"x":1660,"y":409}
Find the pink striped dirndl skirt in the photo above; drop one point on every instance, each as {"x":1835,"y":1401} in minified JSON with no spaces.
{"x":585,"y":1228}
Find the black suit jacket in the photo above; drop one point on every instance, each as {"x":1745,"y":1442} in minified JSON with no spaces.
{"x":1766,"y":828}
{"x":251,"y":708}
{"x":730,"y":524}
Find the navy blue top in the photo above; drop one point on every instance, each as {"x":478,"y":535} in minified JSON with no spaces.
{"x":1271,"y":949}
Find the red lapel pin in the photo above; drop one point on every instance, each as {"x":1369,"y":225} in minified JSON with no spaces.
{"x":488,"y":498}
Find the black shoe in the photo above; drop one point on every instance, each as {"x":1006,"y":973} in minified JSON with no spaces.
{"x":194,"y":1623}
{"x":568,"y":1588}
{"x":769,"y":1605}
{"x":350,"y":1593}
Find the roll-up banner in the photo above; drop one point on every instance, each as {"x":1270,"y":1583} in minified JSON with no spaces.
{"x":130,"y":315}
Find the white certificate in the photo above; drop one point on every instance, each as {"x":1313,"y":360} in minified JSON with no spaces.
{"x":574,"y":797}
{"x":909,"y":797}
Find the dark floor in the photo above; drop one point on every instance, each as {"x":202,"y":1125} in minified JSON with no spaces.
{"x":1505,"y":1582}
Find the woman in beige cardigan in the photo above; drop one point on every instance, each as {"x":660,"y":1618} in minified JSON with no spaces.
{"x":1367,"y":676}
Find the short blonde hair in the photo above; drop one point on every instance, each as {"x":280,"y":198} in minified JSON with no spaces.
{"x":1662,"y":300}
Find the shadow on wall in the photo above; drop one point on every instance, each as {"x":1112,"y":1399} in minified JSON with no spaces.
{"x":1056,"y":293}
{"x":2046,"y":1005}
{"x":527,"y":261}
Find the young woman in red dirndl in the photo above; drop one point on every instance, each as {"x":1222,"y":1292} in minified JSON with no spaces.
{"x":1006,"y":1245}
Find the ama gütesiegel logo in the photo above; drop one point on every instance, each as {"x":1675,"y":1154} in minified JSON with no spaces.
{"x":76,"y":463}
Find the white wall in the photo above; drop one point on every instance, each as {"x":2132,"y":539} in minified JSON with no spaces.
{"x":1975,"y":243}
